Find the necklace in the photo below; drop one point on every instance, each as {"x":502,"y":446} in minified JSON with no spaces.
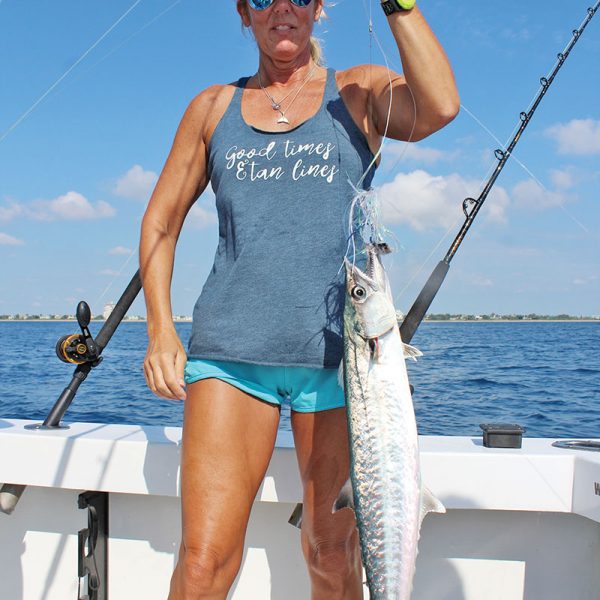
{"x":283,"y":120}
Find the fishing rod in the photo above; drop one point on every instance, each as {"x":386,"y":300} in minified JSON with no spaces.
{"x":84,"y":351}
{"x":471,"y":207}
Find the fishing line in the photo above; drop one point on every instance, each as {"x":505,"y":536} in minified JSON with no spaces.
{"x":363,"y":197}
{"x":443,"y":238}
{"x":451,"y":228}
{"x":523,"y":165}
{"x":503,"y":147}
{"x":503,"y":154}
{"x":115,"y":277}
{"x":433,"y":251}
{"x":471,"y":206}
{"x":82,"y":57}
{"x":126,"y":40}
{"x":366,"y":200}
{"x":115,"y":49}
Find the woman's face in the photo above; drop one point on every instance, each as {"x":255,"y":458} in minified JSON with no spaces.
{"x":283,"y":30}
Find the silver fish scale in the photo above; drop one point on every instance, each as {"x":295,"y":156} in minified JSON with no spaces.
{"x":384,"y":462}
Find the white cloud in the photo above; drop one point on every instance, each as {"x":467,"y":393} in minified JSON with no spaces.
{"x":136,"y":184}
{"x":10,"y":211}
{"x":120,"y":250}
{"x":199,"y":217}
{"x":528,"y":194}
{"x":480,"y":281}
{"x":425,"y":201}
{"x":562,"y":179}
{"x":71,"y":206}
{"x":398,"y":152}
{"x":203,"y":214}
{"x":579,"y":136}
{"x":585,"y":280}
{"x":487,"y":158}
{"x":9,"y":240}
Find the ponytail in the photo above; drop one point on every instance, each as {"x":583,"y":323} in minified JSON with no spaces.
{"x":316,"y":51}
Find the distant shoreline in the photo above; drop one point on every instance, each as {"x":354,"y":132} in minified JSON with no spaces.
{"x":574,"y":320}
{"x":512,"y":320}
{"x":75,"y":321}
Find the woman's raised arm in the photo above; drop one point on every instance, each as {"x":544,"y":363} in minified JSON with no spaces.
{"x":427,"y":72}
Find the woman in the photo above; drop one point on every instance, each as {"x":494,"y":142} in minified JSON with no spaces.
{"x":282,"y":150}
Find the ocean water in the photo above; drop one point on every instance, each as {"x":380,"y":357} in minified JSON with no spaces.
{"x":544,"y":376}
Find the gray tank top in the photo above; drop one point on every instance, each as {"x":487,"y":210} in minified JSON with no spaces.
{"x":275,"y":293}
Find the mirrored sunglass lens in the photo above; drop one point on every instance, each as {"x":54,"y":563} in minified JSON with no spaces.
{"x":260,"y":4}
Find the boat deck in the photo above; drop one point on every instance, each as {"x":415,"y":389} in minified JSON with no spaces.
{"x":522,"y":523}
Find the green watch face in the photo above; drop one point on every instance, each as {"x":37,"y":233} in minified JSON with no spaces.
{"x":406,"y":4}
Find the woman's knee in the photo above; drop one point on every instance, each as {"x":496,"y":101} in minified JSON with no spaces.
{"x":205,"y":570}
{"x":335,"y":554}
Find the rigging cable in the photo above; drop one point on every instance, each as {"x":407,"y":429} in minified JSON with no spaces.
{"x":82,"y":57}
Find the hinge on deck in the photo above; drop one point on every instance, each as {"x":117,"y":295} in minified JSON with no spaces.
{"x":93,"y":546}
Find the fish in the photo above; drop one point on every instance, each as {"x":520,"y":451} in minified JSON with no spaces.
{"x":384,"y":489}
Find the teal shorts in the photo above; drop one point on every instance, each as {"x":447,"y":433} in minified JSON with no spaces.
{"x":307,"y":389}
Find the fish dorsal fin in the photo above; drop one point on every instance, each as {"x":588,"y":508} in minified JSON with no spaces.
{"x":345,"y":498}
{"x":411,"y":352}
{"x":429,"y":503}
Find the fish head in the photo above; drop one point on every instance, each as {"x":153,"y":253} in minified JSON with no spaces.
{"x":370,"y":295}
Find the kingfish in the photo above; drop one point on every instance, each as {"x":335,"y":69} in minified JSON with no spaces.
{"x":384,"y":488}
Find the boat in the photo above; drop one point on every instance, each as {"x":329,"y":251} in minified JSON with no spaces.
{"x":103,"y":500}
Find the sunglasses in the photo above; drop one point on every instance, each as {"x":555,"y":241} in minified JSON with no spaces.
{"x":264,"y":4}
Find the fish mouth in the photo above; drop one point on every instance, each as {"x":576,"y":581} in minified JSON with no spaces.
{"x":370,"y":275}
{"x":371,"y":258}
{"x":354,"y":274}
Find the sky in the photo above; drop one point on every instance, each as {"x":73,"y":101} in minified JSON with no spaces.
{"x":91,"y":94}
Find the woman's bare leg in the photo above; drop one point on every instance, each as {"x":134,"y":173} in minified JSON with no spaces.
{"x":329,"y":541}
{"x":228,"y":439}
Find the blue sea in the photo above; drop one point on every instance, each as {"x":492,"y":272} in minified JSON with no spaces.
{"x":544,"y":376}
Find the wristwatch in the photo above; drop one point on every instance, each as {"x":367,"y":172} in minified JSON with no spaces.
{"x":392,"y":6}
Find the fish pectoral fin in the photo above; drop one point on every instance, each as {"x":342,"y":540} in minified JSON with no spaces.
{"x":345,"y":498}
{"x":429,"y":503}
{"x":411,"y":352}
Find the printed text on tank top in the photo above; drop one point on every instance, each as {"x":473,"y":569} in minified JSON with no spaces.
{"x":274,"y":295}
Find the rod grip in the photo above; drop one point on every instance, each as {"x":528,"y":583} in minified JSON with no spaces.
{"x":10,"y":493}
{"x":421,"y":305}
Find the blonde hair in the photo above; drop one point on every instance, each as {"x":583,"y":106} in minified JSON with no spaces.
{"x":316,"y":51}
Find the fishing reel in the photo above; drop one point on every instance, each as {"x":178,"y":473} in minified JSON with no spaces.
{"x":79,"y":348}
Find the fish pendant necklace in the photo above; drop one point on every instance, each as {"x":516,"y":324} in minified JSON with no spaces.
{"x":275,"y":105}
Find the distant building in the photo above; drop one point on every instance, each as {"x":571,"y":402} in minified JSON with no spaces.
{"x":108,"y":308}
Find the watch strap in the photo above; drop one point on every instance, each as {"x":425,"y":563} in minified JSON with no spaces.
{"x":392,"y":6}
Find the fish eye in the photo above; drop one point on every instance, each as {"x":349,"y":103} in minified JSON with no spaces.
{"x":358,"y":292}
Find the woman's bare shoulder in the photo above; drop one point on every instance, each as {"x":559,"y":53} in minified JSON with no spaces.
{"x":208,"y":107}
{"x":366,"y":77}
{"x":357,"y":75}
